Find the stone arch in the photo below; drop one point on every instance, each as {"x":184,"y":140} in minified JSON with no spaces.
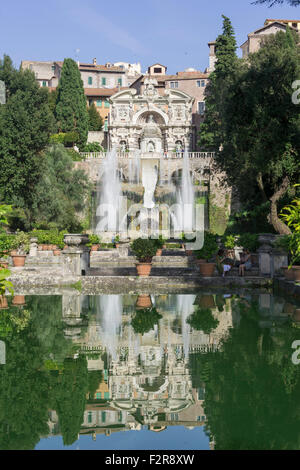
{"x":163,"y":118}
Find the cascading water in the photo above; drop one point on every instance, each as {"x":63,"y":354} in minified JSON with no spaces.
{"x":109,"y":207}
{"x":185,"y":307}
{"x":183,"y":217}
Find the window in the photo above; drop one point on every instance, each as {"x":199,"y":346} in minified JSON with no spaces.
{"x":103,"y":81}
{"x":120,"y":417}
{"x":157,"y":69}
{"x":201,"y":107}
{"x":44,"y":83}
{"x":103,"y":416}
{"x":90,"y":102}
{"x":105,"y":125}
{"x":53,"y":68}
{"x":90,"y":80}
{"x":106,"y":104}
{"x":90,"y":417}
{"x":174,"y":84}
{"x":201,"y":83}
{"x":120,"y":81}
{"x":106,"y":395}
{"x":99,"y":103}
{"x":98,"y":396}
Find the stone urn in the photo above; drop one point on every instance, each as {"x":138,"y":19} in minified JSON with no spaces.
{"x":18,"y":300}
{"x":144,"y":301}
{"x":207,"y":269}
{"x":143,"y":269}
{"x":76,"y":239}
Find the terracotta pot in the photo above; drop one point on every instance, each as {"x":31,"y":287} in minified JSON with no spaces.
{"x":296,"y":316}
{"x":18,"y":260}
{"x":189,"y":252}
{"x":144,"y":301}
{"x":53,"y":247}
{"x":159,"y":252}
{"x":207,"y":301}
{"x":200,"y":261}
{"x":296,"y":273}
{"x":288,"y":273}
{"x":207,"y":269}
{"x":19,"y":300}
{"x":56,"y":252}
{"x":40,"y":248}
{"x":13,"y":253}
{"x":3,"y":265}
{"x":95,"y":247}
{"x":143,"y":269}
{"x":3,"y":301}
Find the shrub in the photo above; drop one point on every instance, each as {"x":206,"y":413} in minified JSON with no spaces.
{"x":145,"y":319}
{"x":5,"y":244}
{"x":203,"y":320}
{"x":57,"y":138}
{"x":229,"y":241}
{"x":210,"y":247}
{"x":21,"y":243}
{"x":159,"y":242}
{"x":249,"y":241}
{"x":144,"y":249}
{"x":71,"y":138}
{"x":93,"y":240}
{"x":93,"y":147}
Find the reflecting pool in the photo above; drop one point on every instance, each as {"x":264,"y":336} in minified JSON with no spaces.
{"x":197,"y":371}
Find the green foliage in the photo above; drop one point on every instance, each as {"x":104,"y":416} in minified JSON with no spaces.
{"x":203,"y":320}
{"x":94,"y":379}
{"x":210,"y":247}
{"x":5,"y":244}
{"x":20,"y":243}
{"x":145,"y":319}
{"x":95,"y":120}
{"x":249,"y":241}
{"x":50,"y":237}
{"x":159,"y":242}
{"x":57,"y":138}
{"x":5,"y":210}
{"x":71,"y":138}
{"x":4,"y":283}
{"x":144,"y":249}
{"x":291,"y":215}
{"x":71,"y":112}
{"x":229,"y":241}
{"x":252,"y":220}
{"x":93,"y":147}
{"x":93,"y":240}
{"x":61,"y":192}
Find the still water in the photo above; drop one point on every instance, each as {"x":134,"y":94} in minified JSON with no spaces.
{"x":197,"y":371}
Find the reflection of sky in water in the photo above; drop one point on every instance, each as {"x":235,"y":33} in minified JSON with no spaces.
{"x":173,"y":438}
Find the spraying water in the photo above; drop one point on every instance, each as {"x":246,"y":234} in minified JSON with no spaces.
{"x":109,"y":311}
{"x":185,"y":307}
{"x":184,"y":213}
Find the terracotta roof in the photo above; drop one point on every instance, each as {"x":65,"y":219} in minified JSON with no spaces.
{"x":159,"y":78}
{"x":103,"y":91}
{"x":188,"y":76}
{"x":283,"y":21}
{"x":100,"y":68}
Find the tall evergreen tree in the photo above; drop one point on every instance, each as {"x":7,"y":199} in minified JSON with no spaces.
{"x":95,"y":120}
{"x":220,"y":79}
{"x":71,"y":110}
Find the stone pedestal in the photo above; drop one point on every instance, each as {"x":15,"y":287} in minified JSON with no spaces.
{"x":265,"y":250}
{"x":279,"y":260}
{"x":76,"y":258}
{"x":33,"y":247}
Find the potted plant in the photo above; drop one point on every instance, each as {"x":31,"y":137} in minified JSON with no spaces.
{"x":94,"y":242}
{"x":5,"y":248}
{"x":229,"y":244}
{"x":144,"y":250}
{"x":144,"y":320}
{"x":207,"y":252}
{"x":20,"y":245}
{"x":117,"y":241}
{"x":160,"y":243}
{"x":144,"y":301}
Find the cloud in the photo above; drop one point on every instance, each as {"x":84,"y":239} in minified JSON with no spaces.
{"x":91,"y":20}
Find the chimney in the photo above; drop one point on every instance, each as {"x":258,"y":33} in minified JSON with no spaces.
{"x":95,"y":61}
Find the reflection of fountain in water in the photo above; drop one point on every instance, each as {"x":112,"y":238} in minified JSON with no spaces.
{"x":109,"y":309}
{"x":109,"y":206}
{"x":185,"y":307}
{"x":183,"y":218}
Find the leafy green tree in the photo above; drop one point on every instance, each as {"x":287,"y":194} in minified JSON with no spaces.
{"x":71,"y":110}
{"x":61,"y":192}
{"x":261,"y":127}
{"x":95,"y":120}
{"x":211,"y":132}
{"x":26,"y":123}
{"x":271,"y":3}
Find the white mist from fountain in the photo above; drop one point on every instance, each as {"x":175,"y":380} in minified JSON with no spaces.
{"x":185,"y":307}
{"x":109,"y":313}
{"x":149,"y":181}
{"x":109,"y":206}
{"x":137,"y":165}
{"x":183,"y":218}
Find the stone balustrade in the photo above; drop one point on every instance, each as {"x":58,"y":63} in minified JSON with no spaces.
{"x":132,"y":155}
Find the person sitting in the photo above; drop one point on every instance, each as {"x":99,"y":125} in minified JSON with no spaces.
{"x":224,"y":264}
{"x":246,"y":263}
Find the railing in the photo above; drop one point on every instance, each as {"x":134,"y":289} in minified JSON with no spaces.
{"x":132,"y":155}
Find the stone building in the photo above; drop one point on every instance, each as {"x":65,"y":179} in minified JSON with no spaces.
{"x":150,"y":121}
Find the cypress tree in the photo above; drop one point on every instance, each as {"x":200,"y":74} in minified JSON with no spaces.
{"x":71,"y":110}
{"x":95,"y":120}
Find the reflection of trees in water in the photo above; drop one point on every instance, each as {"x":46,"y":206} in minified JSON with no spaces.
{"x":252,"y":387}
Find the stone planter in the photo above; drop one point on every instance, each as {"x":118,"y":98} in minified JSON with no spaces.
{"x":159,"y":252}
{"x":207,"y":269}
{"x":296,"y":273}
{"x":144,"y":301}
{"x":3,"y":302}
{"x":19,"y":300}
{"x":143,"y":269}
{"x":288,"y":273}
{"x":18,"y":260}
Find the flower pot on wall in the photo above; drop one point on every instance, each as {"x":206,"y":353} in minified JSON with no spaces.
{"x":19,"y":300}
{"x":144,"y":301}
{"x":207,"y":269}
{"x":56,"y":252}
{"x":18,"y":260}
{"x":95,"y":247}
{"x":143,"y":269}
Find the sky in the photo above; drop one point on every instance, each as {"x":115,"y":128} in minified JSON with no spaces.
{"x":174,"y":33}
